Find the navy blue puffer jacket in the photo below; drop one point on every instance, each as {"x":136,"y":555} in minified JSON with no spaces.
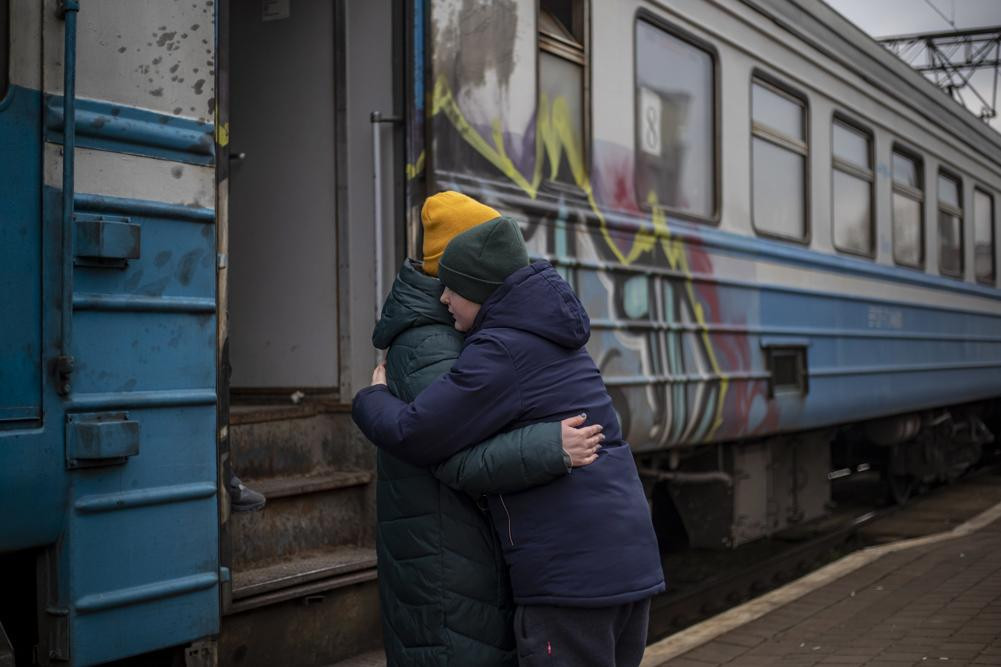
{"x":584,"y":540}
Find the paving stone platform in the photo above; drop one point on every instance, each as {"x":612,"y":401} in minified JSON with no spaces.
{"x":927,"y":601}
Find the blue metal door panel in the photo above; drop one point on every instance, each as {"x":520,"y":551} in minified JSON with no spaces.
{"x":142,"y":541}
{"x":20,"y":255}
{"x":182,"y":266}
{"x":140,"y":551}
{"x":121,"y":351}
{"x":116,"y":477}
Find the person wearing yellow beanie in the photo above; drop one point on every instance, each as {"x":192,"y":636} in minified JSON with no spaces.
{"x":444,"y":599}
{"x":445,"y":215}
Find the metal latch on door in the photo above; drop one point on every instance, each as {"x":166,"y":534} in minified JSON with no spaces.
{"x":105,"y":239}
{"x":100,"y":439}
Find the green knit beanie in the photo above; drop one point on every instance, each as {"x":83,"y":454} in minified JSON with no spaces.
{"x":477,"y":261}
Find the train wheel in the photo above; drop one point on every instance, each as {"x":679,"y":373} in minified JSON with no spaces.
{"x":900,"y":485}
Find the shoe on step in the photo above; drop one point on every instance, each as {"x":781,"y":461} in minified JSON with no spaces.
{"x":242,"y":498}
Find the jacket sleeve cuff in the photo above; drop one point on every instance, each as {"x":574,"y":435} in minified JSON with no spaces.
{"x":556,"y":461}
{"x":371,"y":390}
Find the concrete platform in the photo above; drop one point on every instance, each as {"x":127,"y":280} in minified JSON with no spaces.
{"x":934,"y":599}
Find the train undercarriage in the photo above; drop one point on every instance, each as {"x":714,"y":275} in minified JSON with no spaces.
{"x":729,"y":494}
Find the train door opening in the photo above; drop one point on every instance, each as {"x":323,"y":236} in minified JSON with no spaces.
{"x":297,"y":78}
{"x":282,"y":209}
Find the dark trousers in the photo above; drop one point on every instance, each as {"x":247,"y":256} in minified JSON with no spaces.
{"x":580,"y":636}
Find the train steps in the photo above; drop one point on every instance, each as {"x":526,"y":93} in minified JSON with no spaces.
{"x":302,"y":589}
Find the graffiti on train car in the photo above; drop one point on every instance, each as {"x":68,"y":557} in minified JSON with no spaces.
{"x":676,"y":374}
{"x":672,"y":346}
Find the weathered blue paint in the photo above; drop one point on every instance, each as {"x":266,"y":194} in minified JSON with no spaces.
{"x":141,"y":207}
{"x":70,"y":9}
{"x":869,"y":359}
{"x":149,"y":304}
{"x":135,"y":542}
{"x":100,"y":439}
{"x":140,"y":575}
{"x":20,"y":257}
{"x":112,"y":127}
{"x":164,"y":398}
{"x":115,"y":481}
{"x":106,"y":238}
{"x":145,"y":342}
{"x":157,"y":496}
{"x":149,"y":592}
{"x":32,"y":457}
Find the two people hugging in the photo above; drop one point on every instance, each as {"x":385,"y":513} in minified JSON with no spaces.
{"x":512,"y":525}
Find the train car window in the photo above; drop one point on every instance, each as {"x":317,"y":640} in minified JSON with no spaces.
{"x":950,"y":226}
{"x":562,"y":65}
{"x":983,"y":236}
{"x":778,"y":161}
{"x":908,"y":218}
{"x":4,"y":47}
{"x":851,"y":151}
{"x":675,"y":123}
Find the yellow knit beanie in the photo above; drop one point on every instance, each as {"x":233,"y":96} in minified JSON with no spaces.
{"x":445,"y":215}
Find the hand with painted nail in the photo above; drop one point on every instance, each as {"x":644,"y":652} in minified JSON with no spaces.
{"x":581,"y":443}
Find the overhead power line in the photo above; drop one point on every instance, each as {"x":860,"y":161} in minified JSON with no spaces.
{"x":949,"y":59}
{"x":939,"y":12}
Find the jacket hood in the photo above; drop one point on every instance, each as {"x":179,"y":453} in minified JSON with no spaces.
{"x":537,"y":300}
{"x":412,"y":301}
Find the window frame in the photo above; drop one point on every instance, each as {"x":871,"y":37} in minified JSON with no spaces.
{"x":660,"y":23}
{"x":837,"y":164}
{"x":959,"y":213}
{"x":994,"y":237}
{"x":779,"y":87}
{"x":560,"y":48}
{"x":916,"y":195}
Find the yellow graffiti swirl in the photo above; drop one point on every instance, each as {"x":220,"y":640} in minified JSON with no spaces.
{"x":554,"y":131}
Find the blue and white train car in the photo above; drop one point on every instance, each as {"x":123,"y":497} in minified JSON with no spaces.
{"x":121,"y":276}
{"x":779,"y":230}
{"x":786,"y":240}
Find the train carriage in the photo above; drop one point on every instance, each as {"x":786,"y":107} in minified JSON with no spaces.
{"x":785,"y":238}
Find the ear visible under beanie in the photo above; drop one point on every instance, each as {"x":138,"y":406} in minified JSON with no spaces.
{"x":444,"y":215}
{"x":477,"y":261}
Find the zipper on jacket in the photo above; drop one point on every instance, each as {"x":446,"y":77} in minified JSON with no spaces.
{"x":510,"y":537}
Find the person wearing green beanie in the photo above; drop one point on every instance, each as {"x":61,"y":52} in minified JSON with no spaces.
{"x":439,"y":557}
{"x":475,"y":263}
{"x":581,"y":549}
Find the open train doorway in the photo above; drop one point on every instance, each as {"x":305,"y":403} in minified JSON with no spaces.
{"x":298,"y":82}
{"x":282,"y":200}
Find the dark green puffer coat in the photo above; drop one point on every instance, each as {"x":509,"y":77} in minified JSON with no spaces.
{"x":443,"y":583}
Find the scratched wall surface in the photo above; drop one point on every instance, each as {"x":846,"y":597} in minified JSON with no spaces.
{"x":682,"y":310}
{"x":147,"y":54}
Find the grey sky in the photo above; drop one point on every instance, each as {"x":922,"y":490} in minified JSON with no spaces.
{"x":897,"y":17}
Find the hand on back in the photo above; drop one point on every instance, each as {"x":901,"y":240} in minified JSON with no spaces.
{"x":581,"y":443}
